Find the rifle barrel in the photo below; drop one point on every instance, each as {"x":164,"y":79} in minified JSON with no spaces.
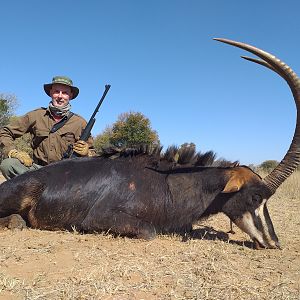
{"x":87,"y":130}
{"x":107,"y":87}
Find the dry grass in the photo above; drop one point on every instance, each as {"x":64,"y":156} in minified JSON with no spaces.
{"x":213,"y":265}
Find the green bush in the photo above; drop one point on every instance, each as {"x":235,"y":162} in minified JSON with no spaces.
{"x":269,"y":165}
{"x":130,"y":130}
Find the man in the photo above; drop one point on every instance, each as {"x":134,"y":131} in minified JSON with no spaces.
{"x":52,"y":130}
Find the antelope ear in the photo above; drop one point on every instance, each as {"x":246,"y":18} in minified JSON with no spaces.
{"x":234,"y":184}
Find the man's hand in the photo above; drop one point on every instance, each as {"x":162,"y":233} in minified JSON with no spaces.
{"x":22,"y":156}
{"x":81,"y":148}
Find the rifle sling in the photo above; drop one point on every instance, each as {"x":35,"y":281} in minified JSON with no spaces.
{"x":61,"y":123}
{"x":55,"y":127}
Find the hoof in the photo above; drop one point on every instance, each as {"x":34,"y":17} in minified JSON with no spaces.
{"x":147,"y":234}
{"x":16,"y":222}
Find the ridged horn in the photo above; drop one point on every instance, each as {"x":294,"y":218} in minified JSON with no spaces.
{"x":292,"y":158}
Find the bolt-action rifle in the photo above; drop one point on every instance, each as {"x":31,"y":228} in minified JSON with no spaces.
{"x":87,"y":130}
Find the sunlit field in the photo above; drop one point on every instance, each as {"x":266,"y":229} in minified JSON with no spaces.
{"x":213,"y":264}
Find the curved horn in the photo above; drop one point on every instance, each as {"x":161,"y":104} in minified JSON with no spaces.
{"x":292,"y":158}
{"x":260,"y":62}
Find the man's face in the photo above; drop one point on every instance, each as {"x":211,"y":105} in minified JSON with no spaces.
{"x":60,"y":94}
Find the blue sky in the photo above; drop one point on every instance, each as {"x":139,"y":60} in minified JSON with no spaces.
{"x":160,"y":59}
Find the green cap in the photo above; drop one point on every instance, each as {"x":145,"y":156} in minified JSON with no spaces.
{"x":62,"y":80}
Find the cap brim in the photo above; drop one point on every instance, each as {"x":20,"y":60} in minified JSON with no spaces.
{"x":74,"y":90}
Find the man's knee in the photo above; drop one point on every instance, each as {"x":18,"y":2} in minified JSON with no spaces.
{"x":11,"y":167}
{"x":6,"y":164}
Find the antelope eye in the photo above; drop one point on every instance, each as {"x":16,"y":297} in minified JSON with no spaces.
{"x":257,"y":198}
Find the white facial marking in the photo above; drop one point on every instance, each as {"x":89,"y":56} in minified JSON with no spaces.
{"x":246,"y":223}
{"x":260,"y":209}
{"x":259,"y":212}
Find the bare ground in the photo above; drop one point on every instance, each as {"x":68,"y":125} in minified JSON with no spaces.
{"x":38,"y":264}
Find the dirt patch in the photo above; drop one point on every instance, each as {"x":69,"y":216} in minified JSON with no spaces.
{"x":213,"y":264}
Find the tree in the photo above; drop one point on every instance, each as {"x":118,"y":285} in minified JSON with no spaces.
{"x":269,"y":165}
{"x":130,"y":130}
{"x":103,"y":139}
{"x":8,"y":104}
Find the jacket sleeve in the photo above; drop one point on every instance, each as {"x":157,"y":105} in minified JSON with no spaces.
{"x":18,"y":127}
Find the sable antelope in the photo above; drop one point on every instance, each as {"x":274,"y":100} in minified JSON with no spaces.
{"x":142,"y":195}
